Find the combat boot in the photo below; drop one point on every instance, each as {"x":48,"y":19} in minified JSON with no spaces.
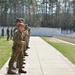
{"x":27,"y":47}
{"x":24,"y":63}
{"x":13,"y":68}
{"x":25,"y":54}
{"x":23,"y":67}
{"x":24,"y":59}
{"x":10,"y":72}
{"x":22,"y":71}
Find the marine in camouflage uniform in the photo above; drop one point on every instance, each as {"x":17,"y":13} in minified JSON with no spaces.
{"x":17,"y":50}
{"x":23,"y":47}
{"x":29,"y":29}
{"x":24,"y":38}
{"x":17,"y":22}
{"x":28,"y":34}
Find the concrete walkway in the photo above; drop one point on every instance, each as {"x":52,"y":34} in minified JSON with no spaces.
{"x":44,"y":59}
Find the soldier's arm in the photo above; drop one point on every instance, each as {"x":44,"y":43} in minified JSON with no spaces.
{"x":17,"y":39}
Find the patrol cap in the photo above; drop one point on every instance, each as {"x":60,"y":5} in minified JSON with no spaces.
{"x":21,"y":24}
{"x":17,"y":20}
{"x":26,"y":26}
{"x":29,"y":28}
{"x":21,"y":19}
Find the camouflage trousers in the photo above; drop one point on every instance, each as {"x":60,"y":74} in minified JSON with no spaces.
{"x":24,"y":50}
{"x":16,"y":54}
{"x":23,"y":53}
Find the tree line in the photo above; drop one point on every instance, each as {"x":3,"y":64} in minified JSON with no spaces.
{"x":39,"y":13}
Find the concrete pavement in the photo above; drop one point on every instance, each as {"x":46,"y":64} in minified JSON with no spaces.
{"x":44,"y":59}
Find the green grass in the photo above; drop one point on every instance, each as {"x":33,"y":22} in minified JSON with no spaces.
{"x":5,"y":50}
{"x":66,"y":49}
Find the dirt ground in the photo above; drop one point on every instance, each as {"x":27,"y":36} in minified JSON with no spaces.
{"x":68,"y":39}
{"x":55,"y":40}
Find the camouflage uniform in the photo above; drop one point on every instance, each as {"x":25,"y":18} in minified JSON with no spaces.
{"x":17,"y":58}
{"x":14,"y":30}
{"x":17,"y":49}
{"x":27,"y":38}
{"x":24,"y":39}
{"x":28,"y":34}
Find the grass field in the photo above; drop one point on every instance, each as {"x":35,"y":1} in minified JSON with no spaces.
{"x":66,"y":49}
{"x":5,"y":50}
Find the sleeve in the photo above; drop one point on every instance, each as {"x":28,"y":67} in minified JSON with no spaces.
{"x":17,"y":39}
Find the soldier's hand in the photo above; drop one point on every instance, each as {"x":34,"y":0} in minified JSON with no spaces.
{"x":23,"y":42}
{"x":24,"y":33}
